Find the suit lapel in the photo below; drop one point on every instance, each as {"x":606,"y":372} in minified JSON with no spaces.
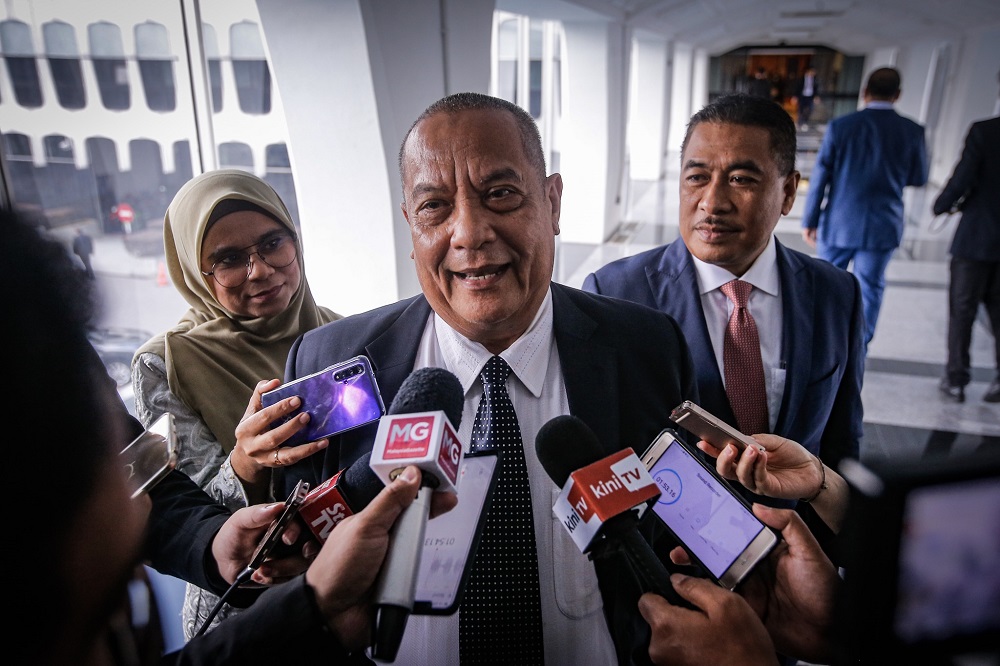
{"x":394,"y":352}
{"x":675,"y":289}
{"x":798,"y":305}
{"x":589,"y":368}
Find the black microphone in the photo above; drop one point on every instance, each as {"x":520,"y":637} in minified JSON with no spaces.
{"x":420,"y":429}
{"x":600,"y":505}
{"x":340,"y":496}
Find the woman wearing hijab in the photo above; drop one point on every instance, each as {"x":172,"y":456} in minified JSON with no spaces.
{"x":233,"y":253}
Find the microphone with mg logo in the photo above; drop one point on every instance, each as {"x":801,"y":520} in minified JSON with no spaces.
{"x":419,"y":429}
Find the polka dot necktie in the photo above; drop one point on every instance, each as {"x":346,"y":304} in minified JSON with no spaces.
{"x":742,"y":365}
{"x":500,"y":618}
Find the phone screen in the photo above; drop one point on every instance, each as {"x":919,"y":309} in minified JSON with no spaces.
{"x":703,"y":512}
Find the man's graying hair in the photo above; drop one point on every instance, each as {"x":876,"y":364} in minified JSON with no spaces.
{"x":751,"y":111}
{"x":531,"y":140}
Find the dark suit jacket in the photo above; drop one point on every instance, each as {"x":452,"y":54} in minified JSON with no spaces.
{"x":866,"y":159}
{"x":625,"y":367}
{"x":822,"y":340}
{"x":977,"y":175}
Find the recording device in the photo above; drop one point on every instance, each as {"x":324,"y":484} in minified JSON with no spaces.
{"x":602,"y":499}
{"x":420,"y":429}
{"x":339,"y":398}
{"x":277,"y":528}
{"x":343,"y":495}
{"x":150,"y":456}
{"x":920,"y":545}
{"x":709,"y":427}
{"x":712,"y":521}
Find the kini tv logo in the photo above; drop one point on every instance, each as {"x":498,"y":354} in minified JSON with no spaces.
{"x":607,"y":488}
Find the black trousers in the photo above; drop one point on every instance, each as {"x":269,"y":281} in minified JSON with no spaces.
{"x":972,"y":282}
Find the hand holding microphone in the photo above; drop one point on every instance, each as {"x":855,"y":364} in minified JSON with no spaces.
{"x":419,"y":429}
{"x":602,"y":499}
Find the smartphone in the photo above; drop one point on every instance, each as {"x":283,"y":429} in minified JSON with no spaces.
{"x":451,"y":539}
{"x":277,"y":527}
{"x":700,"y":508}
{"x":338,"y":398}
{"x":150,"y":456}
{"x":709,"y":427}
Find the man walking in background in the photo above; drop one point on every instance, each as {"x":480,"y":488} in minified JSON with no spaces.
{"x":854,"y":209}
{"x":83,"y":247}
{"x":975,"y":253}
{"x":805,"y":96}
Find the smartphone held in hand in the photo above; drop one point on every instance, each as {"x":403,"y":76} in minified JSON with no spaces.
{"x":151,"y":455}
{"x":709,"y":427}
{"x":338,"y":398}
{"x":711,"y":520}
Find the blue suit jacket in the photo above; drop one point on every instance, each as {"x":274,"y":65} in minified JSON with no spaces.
{"x":624,"y":366}
{"x":866,"y":159}
{"x":822,"y":340}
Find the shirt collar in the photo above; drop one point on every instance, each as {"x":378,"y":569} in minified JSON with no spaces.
{"x":762,"y":274}
{"x":878,"y":104}
{"x":528,"y":356}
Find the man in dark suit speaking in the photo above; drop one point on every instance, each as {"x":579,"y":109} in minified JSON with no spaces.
{"x":975,"y":253}
{"x":737,"y":179}
{"x":483,"y":217}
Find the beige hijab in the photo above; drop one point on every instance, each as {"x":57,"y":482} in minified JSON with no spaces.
{"x":215,"y":358}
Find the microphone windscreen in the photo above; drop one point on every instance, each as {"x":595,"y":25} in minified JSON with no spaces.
{"x":564,"y":445}
{"x":429,"y":390}
{"x":360,"y":483}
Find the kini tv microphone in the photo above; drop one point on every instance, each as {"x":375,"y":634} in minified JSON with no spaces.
{"x":602,"y":499}
{"x":343,"y":495}
{"x":419,"y":429}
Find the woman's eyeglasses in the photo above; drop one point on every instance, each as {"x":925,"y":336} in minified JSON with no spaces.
{"x":233,"y":269}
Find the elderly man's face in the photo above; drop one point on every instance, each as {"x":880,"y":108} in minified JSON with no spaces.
{"x":483,"y":222}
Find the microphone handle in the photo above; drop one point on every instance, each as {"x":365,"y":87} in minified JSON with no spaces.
{"x":652,"y":575}
{"x":397,"y":583}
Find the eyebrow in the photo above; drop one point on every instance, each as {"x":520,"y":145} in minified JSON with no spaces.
{"x":744,"y":165}
{"x":498,"y":175}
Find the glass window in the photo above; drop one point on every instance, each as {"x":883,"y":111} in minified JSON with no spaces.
{"x":19,"y":53}
{"x":535,"y":69}
{"x":235,"y":155}
{"x":108,"y":57}
{"x":253,"y":77}
{"x":103,"y":158}
{"x":22,"y":182}
{"x":64,"y":64}
{"x":214,"y":62}
{"x":278,"y":174}
{"x":152,"y":50}
{"x":507,"y":60}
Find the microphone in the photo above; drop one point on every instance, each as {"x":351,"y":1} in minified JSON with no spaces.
{"x":419,"y":429}
{"x":343,"y":495}
{"x":602,"y":499}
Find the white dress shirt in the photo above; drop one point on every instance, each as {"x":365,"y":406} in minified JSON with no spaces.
{"x":574,"y":628}
{"x":764,"y":305}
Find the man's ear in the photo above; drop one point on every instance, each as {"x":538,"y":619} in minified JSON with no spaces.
{"x":553,"y":192}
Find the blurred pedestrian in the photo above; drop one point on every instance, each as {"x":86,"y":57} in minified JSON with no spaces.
{"x":83,"y":247}
{"x":975,"y":253}
{"x":865,"y":161}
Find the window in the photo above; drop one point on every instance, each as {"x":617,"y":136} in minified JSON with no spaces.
{"x":506,"y":66}
{"x":214,"y":62}
{"x":235,"y":155}
{"x":19,"y":53}
{"x":110,"y":68}
{"x":64,"y":64}
{"x":253,"y":77}
{"x":152,"y":50}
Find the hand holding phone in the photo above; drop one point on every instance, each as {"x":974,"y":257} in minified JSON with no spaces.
{"x":709,"y":427}
{"x":277,"y":528}
{"x":338,"y":398}
{"x":711,"y":520}
{"x":151,"y":455}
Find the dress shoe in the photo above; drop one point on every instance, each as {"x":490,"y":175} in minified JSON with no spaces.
{"x":993,"y":392}
{"x":956,"y":393}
